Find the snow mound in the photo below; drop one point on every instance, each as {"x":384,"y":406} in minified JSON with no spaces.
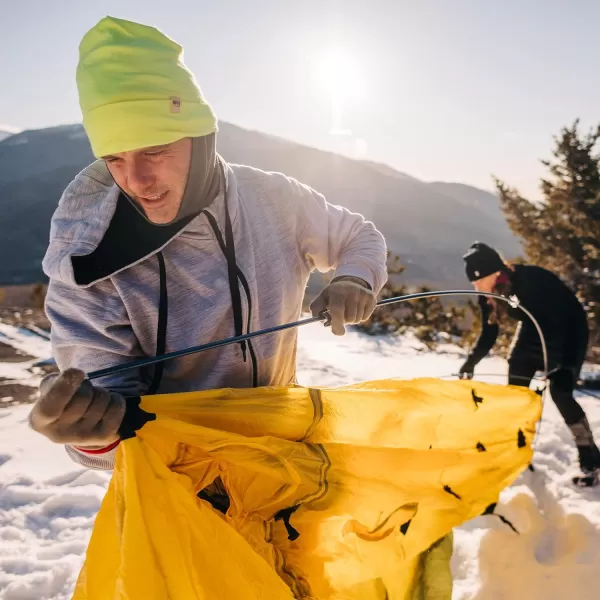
{"x":555,"y":555}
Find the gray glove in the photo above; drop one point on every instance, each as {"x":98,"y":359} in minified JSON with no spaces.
{"x":348,"y":300}
{"x":70,"y":410}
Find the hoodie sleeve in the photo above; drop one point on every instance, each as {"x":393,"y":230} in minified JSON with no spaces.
{"x":90,"y":331}
{"x":332,"y":237}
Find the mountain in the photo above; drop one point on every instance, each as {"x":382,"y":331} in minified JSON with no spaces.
{"x":6,"y":131}
{"x":471,"y":197}
{"x":428,"y":224}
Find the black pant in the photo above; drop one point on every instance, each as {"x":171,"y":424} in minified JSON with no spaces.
{"x":562,"y":386}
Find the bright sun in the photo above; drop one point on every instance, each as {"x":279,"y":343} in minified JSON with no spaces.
{"x":339,"y":74}
{"x":339,"y":77}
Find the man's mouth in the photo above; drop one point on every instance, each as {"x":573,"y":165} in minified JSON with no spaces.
{"x":154,"y":198}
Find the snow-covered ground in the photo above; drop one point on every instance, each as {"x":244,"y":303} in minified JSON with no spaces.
{"x":48,"y":504}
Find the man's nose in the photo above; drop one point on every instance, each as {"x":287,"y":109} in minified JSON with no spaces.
{"x":140,"y":177}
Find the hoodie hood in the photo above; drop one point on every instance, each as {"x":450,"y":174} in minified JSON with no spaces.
{"x":97,"y":232}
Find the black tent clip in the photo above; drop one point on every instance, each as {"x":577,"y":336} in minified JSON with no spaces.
{"x":285,"y":516}
{"x":135,"y":418}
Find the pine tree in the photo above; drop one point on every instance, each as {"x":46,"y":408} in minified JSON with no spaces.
{"x":390,"y":318}
{"x":562,"y":233}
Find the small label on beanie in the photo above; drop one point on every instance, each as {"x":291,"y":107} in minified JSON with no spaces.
{"x":175,"y":104}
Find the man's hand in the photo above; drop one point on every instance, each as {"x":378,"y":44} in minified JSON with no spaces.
{"x":348,"y":300}
{"x":70,"y":410}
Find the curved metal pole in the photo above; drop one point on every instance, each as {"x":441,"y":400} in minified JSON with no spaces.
{"x":512,"y":301}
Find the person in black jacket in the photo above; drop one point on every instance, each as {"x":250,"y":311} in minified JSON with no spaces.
{"x":564,"y":325}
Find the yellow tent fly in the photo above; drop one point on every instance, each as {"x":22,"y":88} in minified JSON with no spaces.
{"x":324,"y":494}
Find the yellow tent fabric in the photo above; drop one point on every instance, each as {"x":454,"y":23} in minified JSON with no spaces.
{"x":334,"y":494}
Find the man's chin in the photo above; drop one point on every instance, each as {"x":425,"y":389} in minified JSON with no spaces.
{"x":160,"y":217}
{"x":160,"y":212}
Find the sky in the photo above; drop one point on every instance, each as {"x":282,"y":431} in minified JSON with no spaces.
{"x":452,"y":91}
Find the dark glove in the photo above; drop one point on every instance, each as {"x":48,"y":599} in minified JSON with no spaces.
{"x":467,"y":370}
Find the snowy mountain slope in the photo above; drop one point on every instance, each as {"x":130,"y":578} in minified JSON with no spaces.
{"x":48,"y":504}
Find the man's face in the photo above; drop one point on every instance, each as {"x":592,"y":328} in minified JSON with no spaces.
{"x":154,"y":178}
{"x":486,"y":284}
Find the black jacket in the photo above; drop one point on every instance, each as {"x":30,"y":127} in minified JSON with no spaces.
{"x":556,"y":308}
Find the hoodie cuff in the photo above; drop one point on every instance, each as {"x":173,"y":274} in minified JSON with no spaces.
{"x":101,"y":462}
{"x":356,"y":271}
{"x":354,"y":279}
{"x":98,"y":450}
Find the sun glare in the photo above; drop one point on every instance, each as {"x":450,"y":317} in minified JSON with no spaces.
{"x":339,"y":77}
{"x":338,"y":74}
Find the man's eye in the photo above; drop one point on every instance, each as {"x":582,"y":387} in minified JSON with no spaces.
{"x":154,"y":152}
{"x":112,"y":160}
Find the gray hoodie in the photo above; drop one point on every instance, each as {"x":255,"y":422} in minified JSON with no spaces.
{"x":282,"y":231}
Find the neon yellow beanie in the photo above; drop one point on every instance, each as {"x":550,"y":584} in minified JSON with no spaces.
{"x":135,"y":91}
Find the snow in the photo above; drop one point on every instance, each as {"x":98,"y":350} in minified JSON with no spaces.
{"x":48,"y":504}
{"x":21,"y":373}
{"x":29,"y":342}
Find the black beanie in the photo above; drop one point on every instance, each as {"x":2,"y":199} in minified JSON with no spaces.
{"x":481,"y":260}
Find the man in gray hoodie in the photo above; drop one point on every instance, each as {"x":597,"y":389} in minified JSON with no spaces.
{"x":160,"y":245}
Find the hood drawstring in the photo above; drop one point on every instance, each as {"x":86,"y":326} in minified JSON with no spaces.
{"x":228,"y":248}
{"x":236,"y":297}
{"x":161,"y":330}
